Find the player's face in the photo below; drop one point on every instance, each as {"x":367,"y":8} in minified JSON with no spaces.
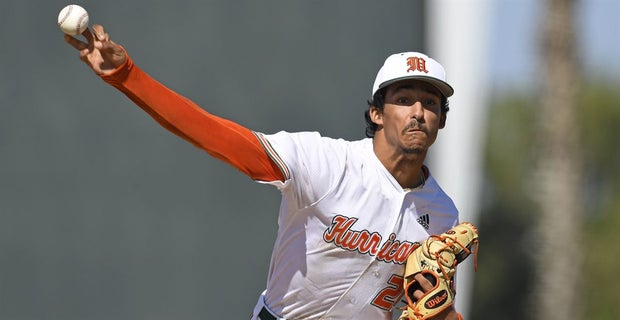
{"x":411,"y":117}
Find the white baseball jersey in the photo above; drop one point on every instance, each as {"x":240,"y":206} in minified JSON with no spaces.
{"x":346,"y":228}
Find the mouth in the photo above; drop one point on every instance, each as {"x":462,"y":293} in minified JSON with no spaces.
{"x":412,"y":128}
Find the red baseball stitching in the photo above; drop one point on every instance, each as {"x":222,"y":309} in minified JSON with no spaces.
{"x":66,"y":15}
{"x":82,"y":17}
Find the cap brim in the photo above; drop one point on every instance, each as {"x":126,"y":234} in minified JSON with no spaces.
{"x":442,"y":86}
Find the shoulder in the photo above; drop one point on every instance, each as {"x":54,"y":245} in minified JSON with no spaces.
{"x":309,"y":152}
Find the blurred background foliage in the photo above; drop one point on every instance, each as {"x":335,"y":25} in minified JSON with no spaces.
{"x":600,"y":110}
{"x":502,"y":287}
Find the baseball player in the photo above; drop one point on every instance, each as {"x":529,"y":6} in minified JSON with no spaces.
{"x":351,"y":211}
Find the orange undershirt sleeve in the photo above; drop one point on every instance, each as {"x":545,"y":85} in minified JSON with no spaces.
{"x":221,"y":138}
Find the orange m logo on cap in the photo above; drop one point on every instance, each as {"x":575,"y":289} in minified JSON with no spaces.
{"x":416,"y":64}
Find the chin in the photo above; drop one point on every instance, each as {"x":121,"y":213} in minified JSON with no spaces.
{"x":414,"y":146}
{"x":414,"y":150}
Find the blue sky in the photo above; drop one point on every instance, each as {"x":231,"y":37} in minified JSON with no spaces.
{"x":514,"y":36}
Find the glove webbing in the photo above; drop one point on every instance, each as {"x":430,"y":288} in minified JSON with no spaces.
{"x":449,"y":243}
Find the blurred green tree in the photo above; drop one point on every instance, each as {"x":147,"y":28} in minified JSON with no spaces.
{"x":506,"y":263}
{"x":599,"y":108}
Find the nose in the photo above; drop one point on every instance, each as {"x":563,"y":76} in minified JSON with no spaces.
{"x":417,"y":110}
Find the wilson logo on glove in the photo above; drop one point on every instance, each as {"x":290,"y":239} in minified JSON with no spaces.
{"x":436,"y":300}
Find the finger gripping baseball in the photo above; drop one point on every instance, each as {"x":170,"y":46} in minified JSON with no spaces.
{"x":436,"y":259}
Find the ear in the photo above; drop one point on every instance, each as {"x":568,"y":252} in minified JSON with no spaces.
{"x":442,"y":120}
{"x":376,"y":115}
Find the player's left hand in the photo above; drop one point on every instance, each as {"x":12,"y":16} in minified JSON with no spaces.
{"x":99,"y":52}
{"x":429,"y":273}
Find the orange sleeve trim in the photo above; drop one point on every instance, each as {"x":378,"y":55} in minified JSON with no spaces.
{"x":221,"y":138}
{"x":275,"y":157}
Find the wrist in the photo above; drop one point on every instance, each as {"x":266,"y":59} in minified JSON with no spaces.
{"x":120,"y":72}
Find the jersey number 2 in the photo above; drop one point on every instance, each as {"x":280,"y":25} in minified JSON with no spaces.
{"x":387,"y":298}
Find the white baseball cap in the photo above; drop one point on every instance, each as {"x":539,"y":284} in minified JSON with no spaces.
{"x":412,"y":65}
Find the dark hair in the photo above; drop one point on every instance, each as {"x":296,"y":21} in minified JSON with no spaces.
{"x":378,"y":101}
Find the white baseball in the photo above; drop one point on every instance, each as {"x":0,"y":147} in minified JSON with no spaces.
{"x":73,"y":19}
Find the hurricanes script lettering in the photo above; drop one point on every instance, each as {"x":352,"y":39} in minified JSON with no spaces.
{"x":341,"y":234}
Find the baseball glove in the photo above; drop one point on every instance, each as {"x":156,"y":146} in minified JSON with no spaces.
{"x":437,"y":258}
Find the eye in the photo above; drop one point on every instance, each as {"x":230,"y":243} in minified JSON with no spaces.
{"x":404,"y":101}
{"x":431,"y":102}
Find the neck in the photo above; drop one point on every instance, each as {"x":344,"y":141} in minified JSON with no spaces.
{"x":410,"y":178}
{"x":406,"y":168}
